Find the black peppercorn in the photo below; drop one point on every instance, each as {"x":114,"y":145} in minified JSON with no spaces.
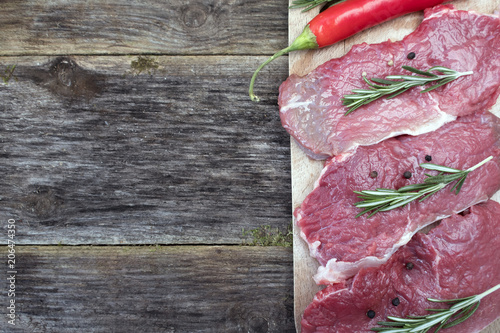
{"x":409,"y":266}
{"x":373,"y":174}
{"x":370,"y":314}
{"x":428,"y":158}
{"x":407,"y":174}
{"x":411,"y":55}
{"x":395,"y":301}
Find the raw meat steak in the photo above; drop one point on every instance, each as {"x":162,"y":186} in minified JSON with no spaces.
{"x":343,"y":243}
{"x":458,"y":258}
{"x":311,"y":109}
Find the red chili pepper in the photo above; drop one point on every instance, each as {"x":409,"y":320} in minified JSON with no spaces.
{"x":343,"y":20}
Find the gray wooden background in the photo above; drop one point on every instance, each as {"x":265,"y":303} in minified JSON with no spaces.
{"x":132,"y":161}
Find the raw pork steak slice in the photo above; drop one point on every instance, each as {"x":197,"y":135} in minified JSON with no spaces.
{"x":311,"y":109}
{"x":343,"y":244}
{"x":458,"y":258}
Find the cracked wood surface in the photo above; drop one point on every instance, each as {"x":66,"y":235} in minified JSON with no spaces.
{"x":128,"y":123}
{"x":174,"y":27}
{"x":94,"y":152}
{"x":152,"y":289}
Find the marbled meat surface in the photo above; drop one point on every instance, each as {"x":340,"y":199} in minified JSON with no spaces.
{"x":458,"y":258}
{"x":311,"y":109}
{"x":343,"y":243}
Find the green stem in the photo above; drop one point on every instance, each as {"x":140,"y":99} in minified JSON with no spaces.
{"x":254,"y":76}
{"x":480,"y":164}
{"x":306,"y":40}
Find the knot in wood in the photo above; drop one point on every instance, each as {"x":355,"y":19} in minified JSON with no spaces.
{"x":64,"y":70}
{"x":195,"y":15}
{"x":258,"y":324}
{"x":43,"y":202}
{"x":66,"y":78}
{"x":251,"y":320}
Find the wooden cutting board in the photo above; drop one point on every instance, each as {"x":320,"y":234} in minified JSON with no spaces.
{"x":304,"y":170}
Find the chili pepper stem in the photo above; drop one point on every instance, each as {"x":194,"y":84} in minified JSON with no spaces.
{"x":306,"y":40}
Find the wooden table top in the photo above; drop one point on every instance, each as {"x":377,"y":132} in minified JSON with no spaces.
{"x":135,"y":166}
{"x":136,"y":170}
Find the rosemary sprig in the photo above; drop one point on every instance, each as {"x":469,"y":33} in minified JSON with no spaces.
{"x":460,"y":310}
{"x":393,"y":85}
{"x":310,"y":4}
{"x":382,"y":199}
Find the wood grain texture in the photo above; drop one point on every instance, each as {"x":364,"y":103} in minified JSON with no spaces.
{"x":94,"y":152}
{"x":99,"y":147}
{"x":152,"y":289}
{"x":304,"y":170}
{"x":173,"y":27}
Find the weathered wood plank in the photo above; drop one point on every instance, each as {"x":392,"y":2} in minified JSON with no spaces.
{"x":142,"y":26}
{"x":96,"y":150}
{"x":151,"y":289}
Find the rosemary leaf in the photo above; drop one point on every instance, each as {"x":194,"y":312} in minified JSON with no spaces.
{"x":431,"y":166}
{"x":461,"y":310}
{"x":470,"y":312}
{"x":418,"y":71}
{"x":397,"y":93}
{"x":458,"y":185}
{"x":412,"y":187}
{"x":398,"y":203}
{"x":383,"y":81}
{"x":426,"y":196}
{"x":441,"y":83}
{"x":379,"y":192}
{"x":382,"y":200}
{"x":394,"y":85}
{"x":410,"y":78}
